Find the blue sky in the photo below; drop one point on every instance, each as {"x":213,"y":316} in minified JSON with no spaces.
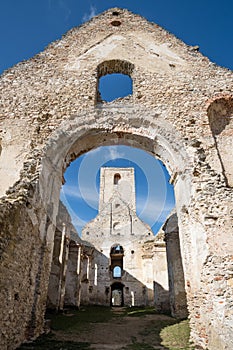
{"x":154,"y":194}
{"x":28,"y":26}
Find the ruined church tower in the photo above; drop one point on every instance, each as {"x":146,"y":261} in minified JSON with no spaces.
{"x":117,"y":210}
{"x":117,"y":182}
{"x":120,"y":273}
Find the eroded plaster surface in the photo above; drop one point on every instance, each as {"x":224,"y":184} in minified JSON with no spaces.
{"x":180,"y":111}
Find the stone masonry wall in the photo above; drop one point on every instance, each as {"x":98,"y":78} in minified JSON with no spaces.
{"x":23,"y":281}
{"x":178,"y":300}
{"x":49,"y":115}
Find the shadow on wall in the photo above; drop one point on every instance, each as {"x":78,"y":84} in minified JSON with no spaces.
{"x":98,"y":285}
{"x":80,"y":274}
{"x":89,"y":281}
{"x":161,"y":298}
{"x":177,"y":293}
{"x":220,"y":114}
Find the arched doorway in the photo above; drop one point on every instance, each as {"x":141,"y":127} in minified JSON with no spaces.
{"x":117,"y":294}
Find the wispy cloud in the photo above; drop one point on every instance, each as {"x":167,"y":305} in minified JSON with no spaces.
{"x":67,"y":11}
{"x":113,"y":153}
{"x":152,"y":210}
{"x":86,"y":194}
{"x":60,"y":6}
{"x":88,"y":15}
{"x":93,"y":153}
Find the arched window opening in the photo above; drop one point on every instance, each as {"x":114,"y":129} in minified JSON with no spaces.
{"x":116,"y":273}
{"x":114,"y":86}
{"x":116,"y":255}
{"x":117,"y":178}
{"x":117,"y":249}
{"x":114,"y":80}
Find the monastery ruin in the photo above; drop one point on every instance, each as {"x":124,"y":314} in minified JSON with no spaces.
{"x":180,"y":111}
{"x":118,"y":261}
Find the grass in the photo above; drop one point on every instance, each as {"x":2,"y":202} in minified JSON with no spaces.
{"x":176,"y":336}
{"x":163,"y":330}
{"x":77,"y":320}
{"x":172,"y":334}
{"x":136,"y":311}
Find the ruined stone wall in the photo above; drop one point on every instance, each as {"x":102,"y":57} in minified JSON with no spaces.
{"x":73,"y":275}
{"x":66,"y":241}
{"x":177,"y":294}
{"x":117,"y":224}
{"x":144,"y":269}
{"x":49,"y":115}
{"x":23,"y":278}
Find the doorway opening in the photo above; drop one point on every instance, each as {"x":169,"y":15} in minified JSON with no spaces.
{"x":117,"y":294}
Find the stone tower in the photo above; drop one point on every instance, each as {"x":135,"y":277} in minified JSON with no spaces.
{"x":119,"y":264}
{"x":117,"y":212}
{"x":117,"y":182}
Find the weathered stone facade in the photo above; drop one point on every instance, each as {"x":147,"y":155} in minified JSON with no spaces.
{"x":65,"y":270}
{"x":180,"y":111}
{"x":177,"y":294}
{"x":117,"y":255}
{"x":127,"y":258}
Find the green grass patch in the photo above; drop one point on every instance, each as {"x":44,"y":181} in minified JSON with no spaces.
{"x":77,"y":320}
{"x":176,"y":336}
{"x":139,"y":311}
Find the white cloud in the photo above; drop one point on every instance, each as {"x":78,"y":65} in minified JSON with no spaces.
{"x":153,"y":210}
{"x":87,"y":16}
{"x":87,"y":195}
{"x":113,"y":153}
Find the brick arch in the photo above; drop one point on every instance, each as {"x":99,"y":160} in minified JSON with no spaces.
{"x":83,"y":133}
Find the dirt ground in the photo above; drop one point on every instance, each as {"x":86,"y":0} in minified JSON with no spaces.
{"x":119,"y":332}
{"x":113,"y":329}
